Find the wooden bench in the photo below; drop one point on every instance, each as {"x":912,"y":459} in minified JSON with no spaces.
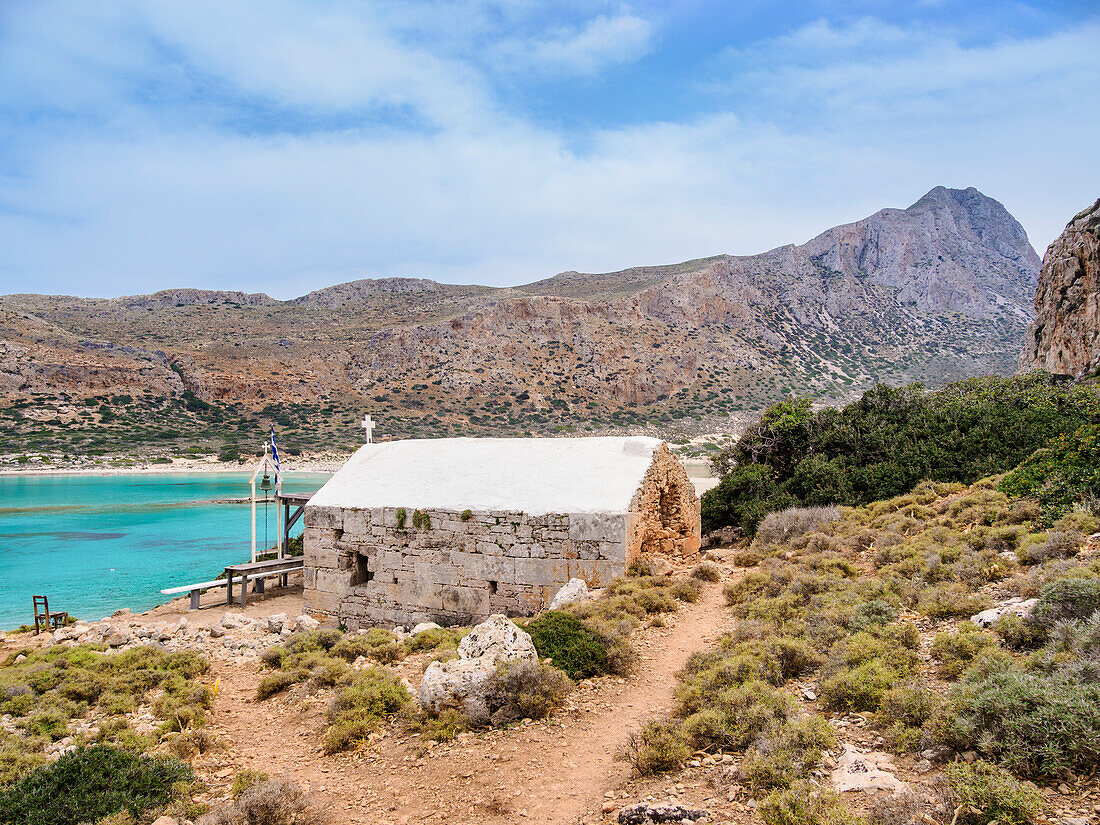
{"x":199,"y":588}
{"x":257,"y":571}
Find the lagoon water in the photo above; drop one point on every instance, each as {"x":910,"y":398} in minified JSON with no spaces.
{"x":94,"y":544}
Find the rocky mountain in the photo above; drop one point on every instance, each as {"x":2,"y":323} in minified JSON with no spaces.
{"x":935,"y":292}
{"x":1065,"y":335}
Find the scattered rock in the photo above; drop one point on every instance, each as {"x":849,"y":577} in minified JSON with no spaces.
{"x":217,"y":631}
{"x":117,"y":640}
{"x":661,"y":567}
{"x":232,"y":621}
{"x":1018,"y":607}
{"x":646,"y":814}
{"x":574,"y":592}
{"x":856,"y":771}
{"x":420,"y":628}
{"x":306,"y":623}
{"x":275,"y":623}
{"x":123,"y":611}
{"x":166,"y":820}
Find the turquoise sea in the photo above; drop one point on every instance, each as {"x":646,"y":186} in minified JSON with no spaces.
{"x":95,"y":543}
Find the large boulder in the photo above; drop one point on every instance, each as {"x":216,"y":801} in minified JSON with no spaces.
{"x":497,"y":639}
{"x":573,"y":592}
{"x":1018,"y":607}
{"x":462,"y":684}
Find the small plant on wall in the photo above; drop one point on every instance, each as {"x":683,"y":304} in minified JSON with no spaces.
{"x":401,"y":516}
{"x":421,"y":520}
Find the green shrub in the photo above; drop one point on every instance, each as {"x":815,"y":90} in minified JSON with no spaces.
{"x":707,"y":572}
{"x":860,"y":688}
{"x":377,"y":644}
{"x":950,"y":600}
{"x":780,"y":759}
{"x":1068,"y":600}
{"x":994,"y":793}
{"x":360,"y":708}
{"x":957,"y":650}
{"x":658,"y":747}
{"x":268,"y":802}
{"x":430,"y":640}
{"x":1034,"y":724}
{"x":733,"y":717}
{"x":686,"y":590}
{"x":873,"y":613}
{"x":569,"y":643}
{"x":244,"y":780}
{"x":89,"y":784}
{"x":903,"y":711}
{"x":1019,"y":633}
{"x":443,"y":727}
{"x":275,"y":682}
{"x":526,"y":690}
{"x":804,"y":803}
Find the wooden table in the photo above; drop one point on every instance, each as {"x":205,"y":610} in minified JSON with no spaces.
{"x":257,"y":571}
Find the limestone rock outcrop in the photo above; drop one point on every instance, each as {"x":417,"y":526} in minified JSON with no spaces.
{"x":1064,"y":339}
{"x":463,"y":684}
{"x":572,"y":592}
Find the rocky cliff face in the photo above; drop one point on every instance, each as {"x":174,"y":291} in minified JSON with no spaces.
{"x":1065,"y":336}
{"x":938,"y":291}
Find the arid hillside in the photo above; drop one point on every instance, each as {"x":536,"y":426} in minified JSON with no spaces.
{"x":935,"y":292}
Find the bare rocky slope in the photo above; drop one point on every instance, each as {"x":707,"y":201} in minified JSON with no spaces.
{"x":1065,"y":337}
{"x":935,"y":292}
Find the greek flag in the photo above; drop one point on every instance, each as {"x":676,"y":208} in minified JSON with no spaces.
{"x":275,"y":459}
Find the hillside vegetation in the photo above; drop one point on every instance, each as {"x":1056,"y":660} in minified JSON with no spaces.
{"x":893,"y":438}
{"x":870,"y":606}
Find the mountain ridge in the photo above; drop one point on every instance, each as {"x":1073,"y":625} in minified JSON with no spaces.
{"x":934,"y":292}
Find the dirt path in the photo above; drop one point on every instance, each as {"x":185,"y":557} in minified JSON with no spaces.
{"x":556,"y":771}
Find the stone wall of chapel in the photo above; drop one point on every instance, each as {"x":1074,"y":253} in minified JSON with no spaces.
{"x":363,"y":569}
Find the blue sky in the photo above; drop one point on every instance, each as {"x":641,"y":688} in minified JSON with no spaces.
{"x":281,"y":146}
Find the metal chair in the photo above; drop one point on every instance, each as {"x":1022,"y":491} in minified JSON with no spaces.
{"x":43,"y":618}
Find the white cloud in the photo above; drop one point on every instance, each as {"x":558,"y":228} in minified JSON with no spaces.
{"x":825,"y":125}
{"x":579,"y":51}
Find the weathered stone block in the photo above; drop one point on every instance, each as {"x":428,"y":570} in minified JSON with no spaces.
{"x":331,"y":518}
{"x":597,"y":526}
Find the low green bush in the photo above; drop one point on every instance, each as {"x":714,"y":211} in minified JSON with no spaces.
{"x":569,"y":643}
{"x":1034,"y":724}
{"x":1070,"y":600}
{"x":1019,"y":632}
{"x":90,"y":784}
{"x":360,"y":708}
{"x":903,"y":711}
{"x":733,"y":717}
{"x":987,"y":793}
{"x":707,"y":572}
{"x":377,"y":644}
{"x":859,"y":688}
{"x":950,"y":600}
{"x":659,"y":747}
{"x":781,"y":758}
{"x":804,"y":803}
{"x":957,"y":650}
{"x":526,"y":690}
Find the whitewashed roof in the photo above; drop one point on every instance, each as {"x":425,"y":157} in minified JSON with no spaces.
{"x":531,"y":475}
